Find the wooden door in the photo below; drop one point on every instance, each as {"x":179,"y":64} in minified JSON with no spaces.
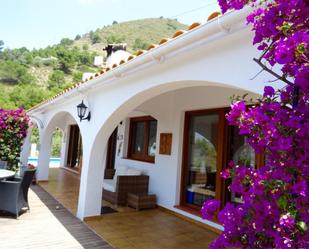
{"x":75,"y":148}
{"x":111,"y":154}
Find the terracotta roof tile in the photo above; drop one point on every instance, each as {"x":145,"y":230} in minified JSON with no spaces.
{"x":213,"y":15}
{"x":178,"y":33}
{"x":140,"y":52}
{"x":164,"y":40}
{"x":151,"y":46}
{"x":131,"y":57}
{"x":194,"y":25}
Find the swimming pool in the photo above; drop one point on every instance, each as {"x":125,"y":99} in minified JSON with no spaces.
{"x":53,"y":161}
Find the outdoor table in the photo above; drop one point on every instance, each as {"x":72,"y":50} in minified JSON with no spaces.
{"x":6,"y":173}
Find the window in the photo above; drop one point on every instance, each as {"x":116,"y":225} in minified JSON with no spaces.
{"x":240,"y":152}
{"x":142,"y":138}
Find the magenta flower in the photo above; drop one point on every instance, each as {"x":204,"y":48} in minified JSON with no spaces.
{"x":287,"y":221}
{"x":269,"y":91}
{"x":209,"y":208}
{"x":13,"y":129}
{"x":274,"y":211}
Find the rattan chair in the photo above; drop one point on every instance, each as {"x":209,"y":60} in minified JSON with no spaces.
{"x":14,"y":193}
{"x":126,"y":184}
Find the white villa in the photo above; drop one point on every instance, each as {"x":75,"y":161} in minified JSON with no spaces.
{"x":160,"y":114}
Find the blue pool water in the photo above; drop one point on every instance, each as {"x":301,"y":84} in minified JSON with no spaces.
{"x":53,"y":162}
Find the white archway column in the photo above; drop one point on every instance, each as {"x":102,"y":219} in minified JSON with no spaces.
{"x":91,"y":181}
{"x":26,"y":148}
{"x":44,"y":155}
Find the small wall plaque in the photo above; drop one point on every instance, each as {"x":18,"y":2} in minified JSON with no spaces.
{"x":166,"y":143}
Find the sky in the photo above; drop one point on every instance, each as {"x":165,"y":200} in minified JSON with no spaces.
{"x":39,"y":23}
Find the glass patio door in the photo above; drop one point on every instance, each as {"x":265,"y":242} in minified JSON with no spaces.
{"x":202,"y":154}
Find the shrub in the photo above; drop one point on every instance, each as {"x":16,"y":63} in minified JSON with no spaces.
{"x":274,"y":212}
{"x":114,"y":39}
{"x":14,"y":125}
{"x":95,"y":37}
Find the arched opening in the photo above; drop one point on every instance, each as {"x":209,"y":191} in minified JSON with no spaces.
{"x":168,"y":104}
{"x":31,"y":144}
{"x":60,"y":159}
{"x":34,"y":145}
{"x":56,"y":146}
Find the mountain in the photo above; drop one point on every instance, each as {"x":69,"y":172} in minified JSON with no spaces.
{"x":29,"y":76}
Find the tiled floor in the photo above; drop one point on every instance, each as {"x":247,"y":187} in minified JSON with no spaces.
{"x":128,"y":229}
{"x":150,"y":229}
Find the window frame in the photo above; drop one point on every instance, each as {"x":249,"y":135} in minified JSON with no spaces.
{"x":220,"y":153}
{"x":223,"y":137}
{"x":145,"y":157}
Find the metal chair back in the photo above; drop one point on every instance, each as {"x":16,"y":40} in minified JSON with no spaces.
{"x":3,"y":164}
{"x":26,"y":181}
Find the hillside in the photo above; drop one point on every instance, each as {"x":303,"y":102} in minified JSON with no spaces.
{"x":29,"y":76}
{"x":138,"y":34}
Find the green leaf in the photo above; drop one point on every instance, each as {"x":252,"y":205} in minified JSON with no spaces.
{"x":282,"y":202}
{"x":302,"y":226}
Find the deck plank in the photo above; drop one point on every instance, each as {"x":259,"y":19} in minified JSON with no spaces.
{"x":46,"y":226}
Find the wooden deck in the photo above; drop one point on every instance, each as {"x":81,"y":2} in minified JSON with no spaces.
{"x":48,"y":225}
{"x":63,"y":185}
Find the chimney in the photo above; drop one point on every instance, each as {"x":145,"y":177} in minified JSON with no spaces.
{"x":112,"y":48}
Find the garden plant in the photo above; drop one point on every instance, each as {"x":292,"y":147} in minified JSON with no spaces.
{"x":274,"y":212}
{"x":13,"y":130}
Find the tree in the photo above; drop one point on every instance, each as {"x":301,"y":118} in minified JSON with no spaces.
{"x":12,"y":72}
{"x":66,"y":42}
{"x":1,"y":45}
{"x":115,"y":22}
{"x":56,"y":143}
{"x":77,"y":76}
{"x":27,"y":96}
{"x":114,"y":39}
{"x":66,"y":58}
{"x":85,"y":47}
{"x":5,"y":101}
{"x":276,"y":196}
{"x":139,"y":44}
{"x":77,"y":37}
{"x":85,"y":58}
{"x":95,"y":37}
{"x":56,"y":80}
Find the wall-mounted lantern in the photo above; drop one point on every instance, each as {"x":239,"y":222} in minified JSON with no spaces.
{"x":81,"y":111}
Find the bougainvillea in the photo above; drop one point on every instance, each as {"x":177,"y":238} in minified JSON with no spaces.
{"x":13,"y":129}
{"x":274,"y":212}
